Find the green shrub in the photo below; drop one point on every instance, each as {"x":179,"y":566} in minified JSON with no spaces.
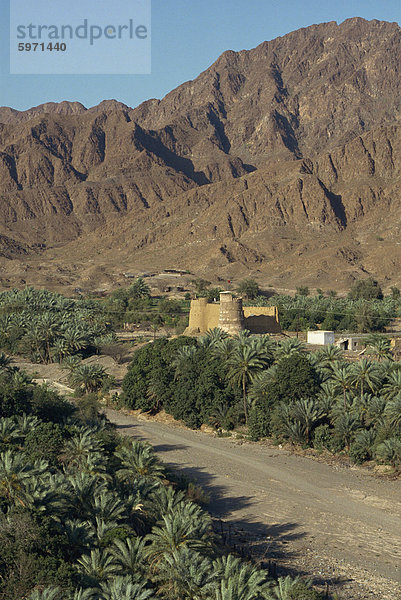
{"x":323,"y":438}
{"x":366,"y":289}
{"x":259,"y":421}
{"x":389,"y":452}
{"x":150,"y":372}
{"x":44,"y":442}
{"x":49,"y":406}
{"x":248,"y":288}
{"x":303,"y":591}
{"x":15,"y":399}
{"x":362,"y":447}
{"x":295,"y":378}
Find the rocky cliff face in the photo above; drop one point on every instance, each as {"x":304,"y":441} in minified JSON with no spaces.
{"x":283,"y":160}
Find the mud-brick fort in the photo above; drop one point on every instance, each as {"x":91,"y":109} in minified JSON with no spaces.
{"x":231,"y":316}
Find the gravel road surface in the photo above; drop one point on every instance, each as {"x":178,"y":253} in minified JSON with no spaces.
{"x":338,"y":524}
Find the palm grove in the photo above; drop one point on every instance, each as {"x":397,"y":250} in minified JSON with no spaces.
{"x":278,"y":389}
{"x":86,"y":514}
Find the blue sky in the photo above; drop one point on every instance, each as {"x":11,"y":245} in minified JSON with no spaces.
{"x":187,"y":36}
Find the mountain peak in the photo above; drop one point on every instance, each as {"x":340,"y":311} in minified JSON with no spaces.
{"x":279,"y":160}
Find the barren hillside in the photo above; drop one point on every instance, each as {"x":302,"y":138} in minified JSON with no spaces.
{"x":282,"y":162}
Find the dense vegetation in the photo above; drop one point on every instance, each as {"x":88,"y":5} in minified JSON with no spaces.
{"x":135,"y":305}
{"x":186,"y":379}
{"x":302,"y":312}
{"x":363,"y":310}
{"x":48,"y":327}
{"x":315,"y":399}
{"x":86,"y":514}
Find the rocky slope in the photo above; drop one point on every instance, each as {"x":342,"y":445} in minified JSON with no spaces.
{"x":282,"y":161}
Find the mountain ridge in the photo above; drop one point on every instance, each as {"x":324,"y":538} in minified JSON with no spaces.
{"x":265,"y":158}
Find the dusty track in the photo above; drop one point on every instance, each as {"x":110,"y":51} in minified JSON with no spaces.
{"x":338,"y":524}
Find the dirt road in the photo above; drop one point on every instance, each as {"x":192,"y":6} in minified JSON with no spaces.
{"x":338,"y":524}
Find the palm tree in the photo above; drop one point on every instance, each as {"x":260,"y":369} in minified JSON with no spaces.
{"x":96,"y":465}
{"x":287,"y":425}
{"x":5,"y":362}
{"x":41,"y":496}
{"x":9,"y":432}
{"x":27,"y":423}
{"x":220,"y":416}
{"x":79,"y":447}
{"x":139,"y":289}
{"x":59,"y":349}
{"x":329,"y":355}
{"x":165,"y":499}
{"x":392,"y":413}
{"x":182,"y":358}
{"x":88,"y":378}
{"x":155,"y":323}
{"x":388,"y":366}
{"x":79,"y":535}
{"x":375,"y":412}
{"x":102,"y":531}
{"x":285,"y":587}
{"x":237,"y":580}
{"x":342,"y":379}
{"x":129,"y":556}
{"x":379,"y":346}
{"x":363,"y":445}
{"x":138,"y":460}
{"x":185,"y":575}
{"x":123,"y":588}
{"x":243,"y":364}
{"x":98,"y":565}
{"x":187,"y":526}
{"x":392,"y":387}
{"x":222,"y":349}
{"x":71,"y":362}
{"x":20,"y":378}
{"x":288,"y":348}
{"x":364,"y":373}
{"x":15,"y":471}
{"x":74,"y":339}
{"x":49,"y":593}
{"x":108,"y":507}
{"x":308,"y":413}
{"x":81,"y":488}
{"x":389,"y":452}
{"x":267,"y":348}
{"x":88,"y":594}
{"x":344,"y":427}
{"x":49,"y":327}
{"x":215,"y":335}
{"x":327,"y":397}
{"x":34,"y":343}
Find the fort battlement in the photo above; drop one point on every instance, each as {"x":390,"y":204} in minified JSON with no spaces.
{"x":231,"y":316}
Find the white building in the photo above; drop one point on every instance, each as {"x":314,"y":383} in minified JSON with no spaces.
{"x":320,"y":338}
{"x":349,"y":343}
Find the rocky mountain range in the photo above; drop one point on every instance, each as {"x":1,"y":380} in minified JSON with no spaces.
{"x":282,"y":162}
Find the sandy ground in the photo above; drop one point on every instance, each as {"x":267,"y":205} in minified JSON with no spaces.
{"x":334,"y":523}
